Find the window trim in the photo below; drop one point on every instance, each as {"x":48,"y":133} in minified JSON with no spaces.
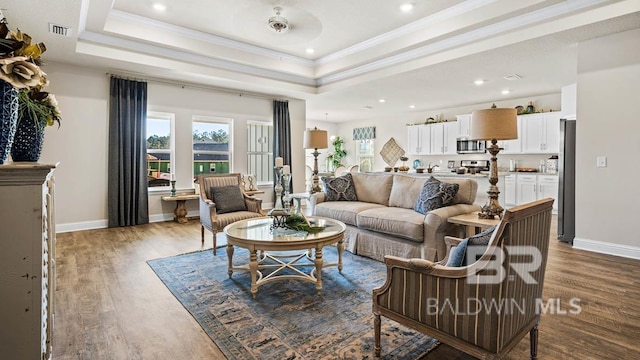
{"x":359,"y":155}
{"x":215,"y":120}
{"x":172,"y":144}
{"x":262,"y":123}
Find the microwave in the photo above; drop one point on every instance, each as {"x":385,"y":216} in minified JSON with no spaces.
{"x":466,"y":146}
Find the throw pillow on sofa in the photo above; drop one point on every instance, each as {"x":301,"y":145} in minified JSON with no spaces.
{"x":228,"y":199}
{"x":435,"y":194}
{"x":339,"y":188}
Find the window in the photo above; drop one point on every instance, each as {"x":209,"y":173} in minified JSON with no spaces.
{"x":364,"y":139}
{"x":260,"y":151}
{"x":211,"y":145}
{"x":364,"y":154}
{"x":160,"y":148}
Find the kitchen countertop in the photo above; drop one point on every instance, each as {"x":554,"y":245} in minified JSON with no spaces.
{"x":483,"y":174}
{"x":440,"y":174}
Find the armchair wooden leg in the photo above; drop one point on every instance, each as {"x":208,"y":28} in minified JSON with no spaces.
{"x":202,"y":233}
{"x":376,"y":334}
{"x":533,"y":340}
{"x":214,"y":241}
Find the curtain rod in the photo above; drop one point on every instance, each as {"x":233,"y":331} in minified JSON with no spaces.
{"x":133,"y":76}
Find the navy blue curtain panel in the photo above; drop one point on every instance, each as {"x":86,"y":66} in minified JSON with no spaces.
{"x":282,"y":133}
{"x":127,"y":179}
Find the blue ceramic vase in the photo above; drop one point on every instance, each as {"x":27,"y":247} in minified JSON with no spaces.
{"x":27,"y":143}
{"x":8,"y":118}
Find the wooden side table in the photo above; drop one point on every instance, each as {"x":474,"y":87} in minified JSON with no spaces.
{"x":472,"y":222}
{"x":181,"y":209}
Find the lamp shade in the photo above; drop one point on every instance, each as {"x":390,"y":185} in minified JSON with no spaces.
{"x":495,"y":123}
{"x":315,"y":139}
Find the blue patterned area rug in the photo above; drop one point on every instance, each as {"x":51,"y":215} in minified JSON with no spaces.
{"x":288,"y":319}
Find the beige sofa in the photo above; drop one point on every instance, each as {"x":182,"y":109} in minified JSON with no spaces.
{"x":383,"y":222}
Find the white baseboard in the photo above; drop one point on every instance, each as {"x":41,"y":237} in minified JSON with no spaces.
{"x":601,"y":247}
{"x":101,"y":224}
{"x":85,"y":225}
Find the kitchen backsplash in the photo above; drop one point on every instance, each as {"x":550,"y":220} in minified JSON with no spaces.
{"x":523,"y":161}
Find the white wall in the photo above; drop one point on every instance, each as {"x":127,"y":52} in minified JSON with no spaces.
{"x":81,"y":143}
{"x":608,"y":125}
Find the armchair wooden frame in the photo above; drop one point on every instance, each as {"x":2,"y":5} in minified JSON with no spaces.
{"x":435,"y":299}
{"x":209,"y":218}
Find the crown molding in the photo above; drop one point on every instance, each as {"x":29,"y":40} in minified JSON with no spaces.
{"x":410,"y":28}
{"x":183,"y":56}
{"x":212,"y":39}
{"x":514,"y":23}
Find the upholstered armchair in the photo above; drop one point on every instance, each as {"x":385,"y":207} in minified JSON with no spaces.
{"x":211,"y":218}
{"x":484,"y":308}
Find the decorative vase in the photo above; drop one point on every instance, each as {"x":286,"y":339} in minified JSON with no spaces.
{"x":27,"y":144}
{"x":8,"y":118}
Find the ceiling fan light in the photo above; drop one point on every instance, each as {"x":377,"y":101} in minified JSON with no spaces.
{"x":278,"y":23}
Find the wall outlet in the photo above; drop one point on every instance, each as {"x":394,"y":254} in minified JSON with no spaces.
{"x":601,"y":161}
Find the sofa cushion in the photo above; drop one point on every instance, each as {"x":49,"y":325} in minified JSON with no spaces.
{"x":373,"y":188}
{"x":405,"y":190}
{"x":344,"y":211}
{"x":228,"y":199}
{"x":467,"y":190}
{"x":435,"y":194}
{"x":404,"y":223}
{"x":339,"y":188}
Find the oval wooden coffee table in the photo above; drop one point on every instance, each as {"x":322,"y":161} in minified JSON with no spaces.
{"x":257,"y":235}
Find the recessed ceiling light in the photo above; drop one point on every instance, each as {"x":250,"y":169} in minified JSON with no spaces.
{"x":479,"y":82}
{"x":406,"y":7}
{"x":310,"y":51}
{"x":160,"y":7}
{"x":412,"y":106}
{"x":382,"y":100}
{"x":506,"y":91}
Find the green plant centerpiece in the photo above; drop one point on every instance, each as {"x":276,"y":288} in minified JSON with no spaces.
{"x":300,"y":223}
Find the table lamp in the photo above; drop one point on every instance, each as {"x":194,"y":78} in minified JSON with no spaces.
{"x":493,"y":124}
{"x":315,"y":139}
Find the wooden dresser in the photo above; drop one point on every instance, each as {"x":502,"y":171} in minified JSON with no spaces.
{"x":27,"y":262}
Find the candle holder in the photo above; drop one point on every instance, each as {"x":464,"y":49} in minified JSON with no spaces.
{"x":286,"y":198}
{"x":278,"y":213}
{"x":173,"y":188}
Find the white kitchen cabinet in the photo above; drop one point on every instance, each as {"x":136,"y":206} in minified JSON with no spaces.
{"x":464,"y":122}
{"x":443,"y":138}
{"x":548,"y":187}
{"x":541,"y":133}
{"x":513,"y":146}
{"x":526,"y":188}
{"x":509,"y":188}
{"x":530,"y":188}
{"x":27,"y":260}
{"x":418,"y":140}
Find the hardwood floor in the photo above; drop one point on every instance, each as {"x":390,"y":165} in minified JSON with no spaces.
{"x":111,"y":305}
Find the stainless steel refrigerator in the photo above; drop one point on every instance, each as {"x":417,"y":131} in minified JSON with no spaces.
{"x":567,"y":179}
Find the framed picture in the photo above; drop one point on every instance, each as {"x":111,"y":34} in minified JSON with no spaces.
{"x":451,"y":164}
